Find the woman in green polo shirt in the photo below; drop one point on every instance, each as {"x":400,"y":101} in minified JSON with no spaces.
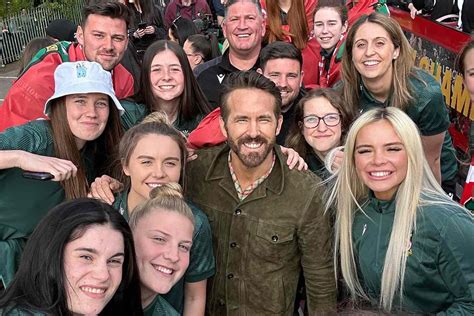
{"x":404,"y":245}
{"x":80,"y":260}
{"x":146,"y":166}
{"x":72,"y":146}
{"x":168,"y":85}
{"x":378,"y":71}
{"x":162,"y":229}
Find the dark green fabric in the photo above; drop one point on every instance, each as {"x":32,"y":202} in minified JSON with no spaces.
{"x":159,"y":307}
{"x":429,"y":112}
{"x":24,"y":202}
{"x":261,"y":242}
{"x":201,"y":260}
{"x":19,"y":312}
{"x":439,"y":275}
{"x":316,"y":165}
{"x":135,"y":113}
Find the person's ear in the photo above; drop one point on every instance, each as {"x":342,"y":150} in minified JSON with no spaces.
{"x":80,"y":35}
{"x":260,"y":71}
{"x":222,"y":126}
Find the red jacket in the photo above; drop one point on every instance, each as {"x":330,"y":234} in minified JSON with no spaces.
{"x":26,"y":98}
{"x":198,"y":8}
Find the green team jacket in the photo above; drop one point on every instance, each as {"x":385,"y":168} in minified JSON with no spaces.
{"x":439,"y":277}
{"x":24,"y":202}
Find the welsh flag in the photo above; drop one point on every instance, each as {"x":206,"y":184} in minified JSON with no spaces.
{"x":467,"y":194}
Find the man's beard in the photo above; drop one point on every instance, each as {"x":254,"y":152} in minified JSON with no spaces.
{"x":253,"y":159}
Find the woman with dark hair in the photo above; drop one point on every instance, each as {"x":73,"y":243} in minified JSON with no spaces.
{"x":146,"y":166}
{"x":320,"y":124}
{"x":71,"y":149}
{"x":378,"y":71}
{"x":167,"y":84}
{"x":181,"y":29}
{"x":80,"y":260}
{"x":146,"y":26}
{"x":201,"y":48}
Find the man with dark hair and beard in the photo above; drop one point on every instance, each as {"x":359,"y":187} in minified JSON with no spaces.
{"x":267,"y":221}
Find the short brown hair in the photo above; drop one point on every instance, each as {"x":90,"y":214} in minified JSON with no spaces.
{"x":248,"y":80}
{"x":111,"y":9}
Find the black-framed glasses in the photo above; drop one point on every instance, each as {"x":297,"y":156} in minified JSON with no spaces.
{"x":330,"y":119}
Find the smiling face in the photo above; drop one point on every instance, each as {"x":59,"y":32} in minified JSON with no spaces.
{"x":151,"y":164}
{"x":244,"y":28}
{"x":328,"y":27}
{"x":287,"y":75}
{"x":380,"y":159}
{"x":103,"y":40}
{"x":322,"y":138}
{"x":87,"y":115}
{"x":93,"y":269}
{"x":163,"y":240}
{"x":251,"y":126}
{"x":373,"y":53}
{"x":166,"y":76}
{"x":469,"y":72}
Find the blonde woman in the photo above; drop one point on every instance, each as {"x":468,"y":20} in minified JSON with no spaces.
{"x":401,"y":240}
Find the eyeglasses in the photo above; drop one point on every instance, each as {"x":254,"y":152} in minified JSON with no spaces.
{"x":330,"y":119}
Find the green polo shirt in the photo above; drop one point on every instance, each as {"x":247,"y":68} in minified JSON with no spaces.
{"x":24,"y":202}
{"x":160,"y":307}
{"x":201,"y":260}
{"x":429,"y":112}
{"x":135,"y":113}
{"x":439,"y":276}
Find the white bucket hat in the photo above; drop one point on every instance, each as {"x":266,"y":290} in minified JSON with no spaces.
{"x":82,"y":77}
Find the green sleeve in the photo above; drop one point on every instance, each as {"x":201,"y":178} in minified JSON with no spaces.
{"x":456,"y":263}
{"x":33,"y":137}
{"x":431,"y":115}
{"x":201,"y":261}
{"x":134,"y":114}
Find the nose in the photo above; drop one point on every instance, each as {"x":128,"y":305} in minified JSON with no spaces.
{"x":101,"y":271}
{"x":282,"y":81}
{"x":158,"y":171}
{"x":369,"y":50}
{"x":242,"y":23}
{"x":379,"y":157}
{"x":322,"y":127}
{"x":91,"y":110}
{"x":172,"y":253}
{"x":253,"y":129}
{"x":166,"y":74}
{"x":108,"y":43}
{"x":325,"y":28}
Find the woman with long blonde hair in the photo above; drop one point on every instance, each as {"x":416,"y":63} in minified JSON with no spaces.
{"x":399,"y":237}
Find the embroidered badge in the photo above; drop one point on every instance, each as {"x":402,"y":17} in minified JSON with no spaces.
{"x":81,"y":70}
{"x":52,"y":48}
{"x":220,"y":77}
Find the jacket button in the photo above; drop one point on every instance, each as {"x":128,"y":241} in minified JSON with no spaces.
{"x":230,"y":276}
{"x":233,"y":244}
{"x":274,"y":238}
{"x":238,"y":211}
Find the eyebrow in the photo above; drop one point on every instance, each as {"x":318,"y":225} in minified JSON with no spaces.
{"x":385,"y":145}
{"x":95,"y":252}
{"x":161,"y":65}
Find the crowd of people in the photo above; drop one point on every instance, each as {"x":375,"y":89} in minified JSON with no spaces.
{"x":305,"y":166}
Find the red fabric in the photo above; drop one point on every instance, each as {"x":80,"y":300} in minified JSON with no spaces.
{"x":362,"y":7}
{"x":26,"y":98}
{"x":468,"y":192}
{"x":200,"y":7}
{"x":208,"y":132}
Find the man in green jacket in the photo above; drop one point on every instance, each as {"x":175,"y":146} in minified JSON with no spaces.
{"x":267,"y":221}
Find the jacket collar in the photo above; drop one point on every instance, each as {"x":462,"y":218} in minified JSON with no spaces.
{"x":219,"y":170}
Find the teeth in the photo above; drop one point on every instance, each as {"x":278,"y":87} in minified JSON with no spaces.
{"x":243,"y":35}
{"x":154,"y":185}
{"x":371,"y":63}
{"x":92,"y":290}
{"x":252,"y":145}
{"x":163,"y":269}
{"x":380,"y":173}
{"x":166,"y":87}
